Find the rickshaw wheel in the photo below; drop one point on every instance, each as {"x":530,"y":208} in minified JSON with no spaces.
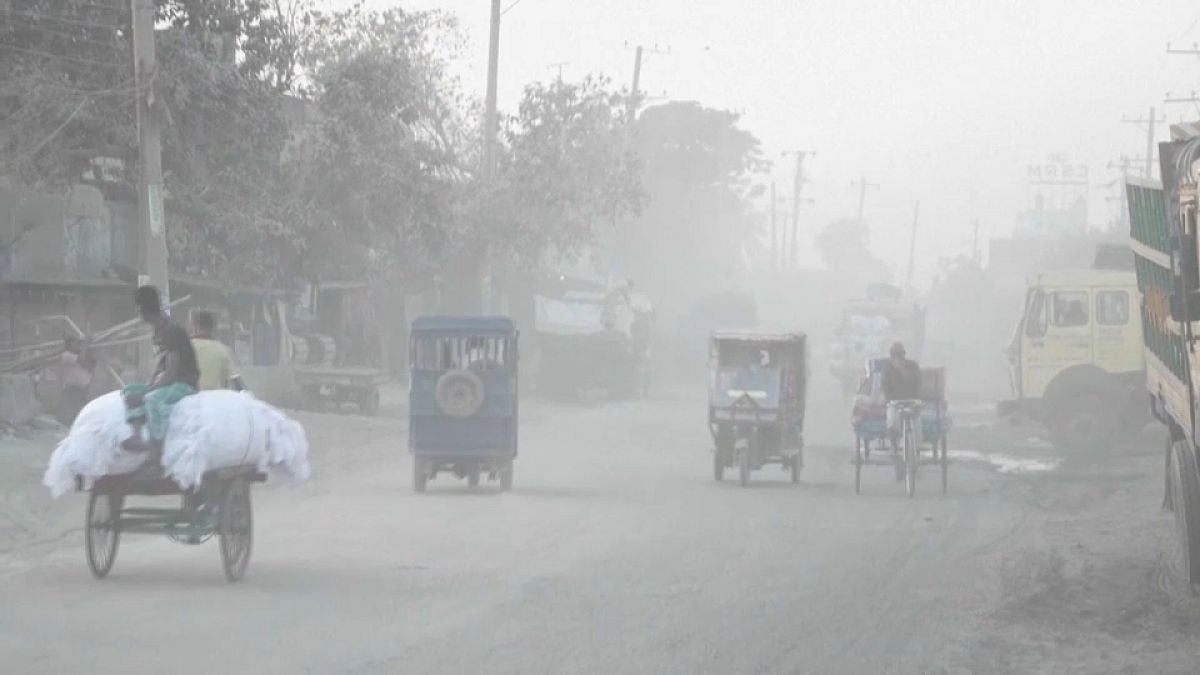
{"x":945,"y":461}
{"x":506,"y":476}
{"x":858,"y":462}
{"x":420,"y":475}
{"x":745,"y":458}
{"x":910,"y":462}
{"x":102,"y":535}
{"x":796,"y":465}
{"x":368,"y":403}
{"x":718,"y":466}
{"x":236,"y":529}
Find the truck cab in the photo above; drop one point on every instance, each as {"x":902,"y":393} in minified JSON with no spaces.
{"x":1076,"y":358}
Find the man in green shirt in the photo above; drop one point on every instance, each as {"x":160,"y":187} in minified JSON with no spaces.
{"x":216,"y":364}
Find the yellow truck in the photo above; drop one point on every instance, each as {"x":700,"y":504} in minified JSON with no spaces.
{"x":1076,"y":358}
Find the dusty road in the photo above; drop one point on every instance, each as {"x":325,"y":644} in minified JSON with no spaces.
{"x":618,"y":553}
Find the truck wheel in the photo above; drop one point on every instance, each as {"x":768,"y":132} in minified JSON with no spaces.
{"x":1185,"y":499}
{"x":1084,"y":424}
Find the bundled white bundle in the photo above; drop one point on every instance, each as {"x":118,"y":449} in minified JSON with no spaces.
{"x":93,"y":447}
{"x":210,"y":430}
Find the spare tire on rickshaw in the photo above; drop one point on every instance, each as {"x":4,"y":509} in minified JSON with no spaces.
{"x":459,"y":393}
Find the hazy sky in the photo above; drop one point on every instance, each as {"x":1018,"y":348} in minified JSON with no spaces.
{"x":946,"y":101}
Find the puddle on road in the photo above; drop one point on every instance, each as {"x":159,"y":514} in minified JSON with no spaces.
{"x":1006,"y":463}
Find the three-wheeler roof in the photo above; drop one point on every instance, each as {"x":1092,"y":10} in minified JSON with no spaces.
{"x":464,"y":325}
{"x":757,"y":336}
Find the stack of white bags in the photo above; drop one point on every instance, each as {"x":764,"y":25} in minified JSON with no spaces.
{"x":209,"y":430}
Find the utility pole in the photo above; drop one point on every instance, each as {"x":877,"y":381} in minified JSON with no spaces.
{"x":489,"y":120}
{"x":774,"y":238}
{"x":488,"y":168}
{"x":862,"y":195}
{"x":1149,"y":122}
{"x":789,"y":252}
{"x":912,"y":243}
{"x":637,"y":80}
{"x":1123,"y":165}
{"x":635,"y":87}
{"x":152,"y":232}
{"x":558,"y":66}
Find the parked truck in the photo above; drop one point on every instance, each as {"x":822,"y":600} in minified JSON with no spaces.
{"x":1163,"y":229}
{"x":592,"y":335}
{"x":1075,"y":358}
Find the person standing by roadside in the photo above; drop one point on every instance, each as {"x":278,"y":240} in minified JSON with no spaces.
{"x":75,"y":375}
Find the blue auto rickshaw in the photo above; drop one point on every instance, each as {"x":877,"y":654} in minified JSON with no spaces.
{"x":463,"y":398}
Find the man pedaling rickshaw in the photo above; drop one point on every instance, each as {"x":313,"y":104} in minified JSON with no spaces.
{"x":902,"y":393}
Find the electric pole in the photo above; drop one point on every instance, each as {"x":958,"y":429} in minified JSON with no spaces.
{"x":789,"y":251}
{"x":912,"y":242}
{"x":1149,"y":122}
{"x":152,"y":233}
{"x":637,"y":76}
{"x":488,"y":155}
{"x":862,"y":195}
{"x":559,"y":67}
{"x":774,"y":230}
{"x":489,"y":119}
{"x":1123,"y":165}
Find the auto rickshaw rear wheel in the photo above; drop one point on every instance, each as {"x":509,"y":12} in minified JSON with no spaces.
{"x":506,"y":476}
{"x":420,"y":475}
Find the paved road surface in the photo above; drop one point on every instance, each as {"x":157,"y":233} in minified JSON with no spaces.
{"x":618,"y":553}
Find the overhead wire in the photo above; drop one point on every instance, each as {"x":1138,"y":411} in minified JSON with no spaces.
{"x":61,"y":57}
{"x":60,"y":19}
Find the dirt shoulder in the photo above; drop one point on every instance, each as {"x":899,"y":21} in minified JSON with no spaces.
{"x":1086,"y":582}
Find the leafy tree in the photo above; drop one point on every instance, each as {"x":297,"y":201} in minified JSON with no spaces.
{"x":374,"y":171}
{"x":563,"y":176}
{"x":698,"y":168}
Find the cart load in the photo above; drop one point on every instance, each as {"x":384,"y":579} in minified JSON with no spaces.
{"x":207,"y":431}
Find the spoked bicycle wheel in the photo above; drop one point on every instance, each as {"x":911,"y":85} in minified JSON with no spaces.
{"x":235,"y":529}
{"x":910,"y":459}
{"x":102,"y":533}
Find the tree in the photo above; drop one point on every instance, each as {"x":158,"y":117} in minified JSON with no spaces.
{"x":563,"y":174}
{"x":374,"y":172}
{"x":698,"y":168}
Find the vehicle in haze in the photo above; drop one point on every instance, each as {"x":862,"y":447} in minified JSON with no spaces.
{"x":872,"y":446}
{"x":108,"y":516}
{"x":592,"y":335}
{"x":756,"y":400}
{"x":868,"y":328}
{"x":1163,"y":229}
{"x":1075,"y":359}
{"x":463,"y":398}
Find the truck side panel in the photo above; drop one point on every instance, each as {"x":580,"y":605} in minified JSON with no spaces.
{"x":1167,"y":362}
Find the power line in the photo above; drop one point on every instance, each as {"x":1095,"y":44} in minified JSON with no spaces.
{"x":49,"y":55}
{"x":64,"y":35}
{"x":506,"y":10}
{"x":60,"y":19}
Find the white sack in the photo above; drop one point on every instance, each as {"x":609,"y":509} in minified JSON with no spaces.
{"x":210,"y":430}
